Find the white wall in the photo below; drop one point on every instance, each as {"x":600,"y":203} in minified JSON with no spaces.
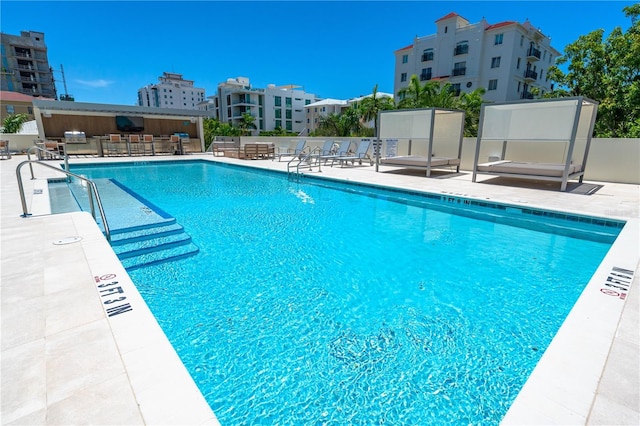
{"x":610,"y":160}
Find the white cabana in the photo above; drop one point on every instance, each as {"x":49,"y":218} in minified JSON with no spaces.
{"x":423,"y":139}
{"x":545,"y":139}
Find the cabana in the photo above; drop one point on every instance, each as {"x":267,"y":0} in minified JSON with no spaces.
{"x":421,"y":139}
{"x":545,"y":139}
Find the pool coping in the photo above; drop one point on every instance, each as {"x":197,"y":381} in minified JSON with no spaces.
{"x":560,"y":404}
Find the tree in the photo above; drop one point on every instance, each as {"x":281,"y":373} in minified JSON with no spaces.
{"x":345,"y":124}
{"x":414,"y":95}
{"x":247,"y":124}
{"x":12,"y":123}
{"x":608,"y":71}
{"x":471,"y":103}
{"x":214,"y":127}
{"x":370,"y":106}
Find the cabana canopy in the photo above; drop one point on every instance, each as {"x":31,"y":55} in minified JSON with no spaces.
{"x":557,"y":133}
{"x":422,"y":138}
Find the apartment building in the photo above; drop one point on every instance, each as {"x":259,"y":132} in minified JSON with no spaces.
{"x":273,"y":107}
{"x":25,"y":65}
{"x":172,"y":91}
{"x":510,"y":60}
{"x":317,"y":110}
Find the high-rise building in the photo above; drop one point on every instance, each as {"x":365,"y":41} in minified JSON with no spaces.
{"x":509,"y":60}
{"x":272,"y":107}
{"x":172,"y":91}
{"x":25,"y":65}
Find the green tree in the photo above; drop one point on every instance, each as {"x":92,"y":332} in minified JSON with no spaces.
{"x":13,"y":122}
{"x":370,"y":106}
{"x":414,"y":95}
{"x":246,"y":124}
{"x":345,"y":124}
{"x":214,"y":127}
{"x":608,"y":71}
{"x":471,"y":103}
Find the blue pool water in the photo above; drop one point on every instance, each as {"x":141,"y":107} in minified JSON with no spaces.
{"x":310,"y":303}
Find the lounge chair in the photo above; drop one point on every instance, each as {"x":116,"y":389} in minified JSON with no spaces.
{"x":4,"y":150}
{"x":297,"y":152}
{"x":360,"y":154}
{"x":341,"y":151}
{"x":113,"y":146}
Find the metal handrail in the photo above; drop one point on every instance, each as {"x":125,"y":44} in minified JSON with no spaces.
{"x":302,"y":158}
{"x":37,"y":148}
{"x":91,"y":191}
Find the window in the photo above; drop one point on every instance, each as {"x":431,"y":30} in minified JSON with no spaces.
{"x":403,"y":76}
{"x":550,"y":56}
{"x":288,"y":114}
{"x":541,"y":73}
{"x":278,"y":101}
{"x":278,"y":113}
{"x":289,"y":125}
{"x":519,"y":87}
{"x":405,"y":59}
{"x":30,"y":110}
{"x":287,"y":102}
{"x":521,"y":40}
{"x":462,"y":47}
{"x":445,"y":29}
{"x":498,"y":39}
{"x":493,"y":84}
{"x":455,"y":88}
{"x":495,"y":62}
{"x":544,"y":55}
{"x":278,"y":124}
{"x":427,"y":55}
{"x":307,"y":101}
{"x":459,"y":68}
{"x":425,"y":74}
{"x":518,"y":64}
{"x":10,"y":109}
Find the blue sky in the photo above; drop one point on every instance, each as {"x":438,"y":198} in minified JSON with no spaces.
{"x":334,"y":49}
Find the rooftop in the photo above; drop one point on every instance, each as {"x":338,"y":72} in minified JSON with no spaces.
{"x":66,"y":360}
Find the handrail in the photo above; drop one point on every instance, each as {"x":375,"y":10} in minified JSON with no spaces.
{"x":91,"y":190}
{"x":37,"y":148}
{"x":302,"y":158}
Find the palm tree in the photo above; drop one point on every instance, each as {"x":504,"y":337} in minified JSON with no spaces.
{"x":246,"y":123}
{"x":370,"y":106}
{"x":411,"y":96}
{"x":472,"y":103}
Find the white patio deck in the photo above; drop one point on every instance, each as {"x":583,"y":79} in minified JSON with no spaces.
{"x":64,"y":361}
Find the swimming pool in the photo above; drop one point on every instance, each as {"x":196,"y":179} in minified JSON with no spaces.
{"x":309,"y":304}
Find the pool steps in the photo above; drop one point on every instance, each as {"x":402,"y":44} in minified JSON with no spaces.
{"x":141,"y":234}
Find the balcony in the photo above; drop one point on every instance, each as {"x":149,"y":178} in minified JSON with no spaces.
{"x":461,"y":49}
{"x":459,"y":71}
{"x":526,"y":95}
{"x":427,"y":57}
{"x":530,"y":75}
{"x":425,"y":77}
{"x":533,"y":54}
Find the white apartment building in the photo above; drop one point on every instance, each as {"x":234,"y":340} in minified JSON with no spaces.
{"x":172,"y":91}
{"x":317,"y":110}
{"x":508,"y":59}
{"x":273,"y":107}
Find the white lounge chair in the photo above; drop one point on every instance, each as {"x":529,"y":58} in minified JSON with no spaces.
{"x":297,"y":152}
{"x":360,"y":154}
